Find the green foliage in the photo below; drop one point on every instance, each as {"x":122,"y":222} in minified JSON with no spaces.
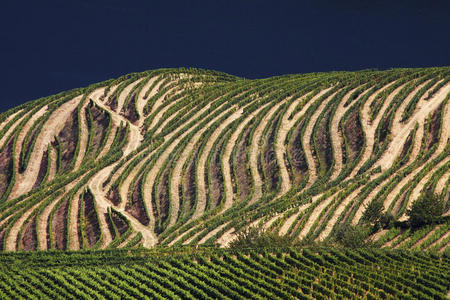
{"x":258,"y":237}
{"x":425,"y":210}
{"x":351,"y":236}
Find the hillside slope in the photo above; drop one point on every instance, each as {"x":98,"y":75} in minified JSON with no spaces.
{"x":186,"y":156}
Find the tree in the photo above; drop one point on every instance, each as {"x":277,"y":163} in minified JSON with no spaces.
{"x":373,"y":212}
{"x":351,"y":236}
{"x":425,"y":210}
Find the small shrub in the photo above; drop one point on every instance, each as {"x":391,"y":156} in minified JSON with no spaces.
{"x":257,"y":236}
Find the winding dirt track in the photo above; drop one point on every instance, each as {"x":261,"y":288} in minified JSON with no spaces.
{"x":134,"y":138}
{"x":369,"y":127}
{"x":399,"y":131}
{"x":254,"y":152}
{"x":229,"y":194}
{"x":8,"y":119}
{"x":140,"y":102}
{"x":289,"y":221}
{"x":306,"y":139}
{"x":17,"y":191}
{"x":11,"y":239}
{"x":8,"y":133}
{"x":125,"y":92}
{"x":201,"y":186}
{"x":83,"y":138}
{"x":336,"y":134}
{"x":51,"y":128}
{"x":442,"y":182}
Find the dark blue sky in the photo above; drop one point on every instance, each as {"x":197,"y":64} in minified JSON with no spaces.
{"x":49,"y":46}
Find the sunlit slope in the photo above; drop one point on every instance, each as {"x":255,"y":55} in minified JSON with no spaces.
{"x":185,"y":156}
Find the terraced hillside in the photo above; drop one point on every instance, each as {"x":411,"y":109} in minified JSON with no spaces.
{"x":186,"y":156}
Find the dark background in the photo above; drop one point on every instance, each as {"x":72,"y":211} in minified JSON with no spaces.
{"x":53,"y":45}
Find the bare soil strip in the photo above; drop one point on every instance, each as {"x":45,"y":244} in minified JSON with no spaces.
{"x":201,"y":186}
{"x":11,"y":239}
{"x":254,"y":151}
{"x":399,"y":131}
{"x":8,"y":119}
{"x":180,"y":236}
{"x":135,"y":138}
{"x":336,"y":134}
{"x":229,"y":194}
{"x":442,"y":182}
{"x":51,"y":128}
{"x":400,"y":134}
{"x":212,"y":233}
{"x":151,"y":176}
{"x":419,"y":187}
{"x":307,"y":141}
{"x":429,"y":234}
{"x":369,"y":128}
{"x":123,"y":95}
{"x":288,"y":223}
{"x":140,"y":102}
{"x":42,"y":224}
{"x":439,"y":240}
{"x":83,"y":138}
{"x":5,"y":137}
{"x":53,"y":157}
{"x":315,"y":214}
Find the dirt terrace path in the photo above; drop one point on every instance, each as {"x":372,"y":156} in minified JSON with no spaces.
{"x":255,"y":150}
{"x":180,"y":236}
{"x":414,"y":153}
{"x":6,"y":137}
{"x":52,"y":158}
{"x":83,"y":138}
{"x":177,"y":174}
{"x":285,"y":127}
{"x":419,"y":187}
{"x":161,"y":99}
{"x":16,"y":191}
{"x":336,"y":134}
{"x":51,"y":128}
{"x":134,"y":138}
{"x":315,"y":214}
{"x":8,"y":119}
{"x":95,"y":185}
{"x":201,"y":186}
{"x":337,"y":213}
{"x":445,"y":135}
{"x":151,"y":176}
{"x":160,"y":115}
{"x":140,"y":103}
{"x":212,"y":233}
{"x":439,"y":240}
{"x":123,"y":95}
{"x":369,"y":128}
{"x":229,"y":194}
{"x":11,"y":239}
{"x":42,"y":224}
{"x":289,"y":221}
{"x":428,"y":235}
{"x":109,"y":142}
{"x":442,"y":182}
{"x":306,"y":139}
{"x":399,"y":131}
